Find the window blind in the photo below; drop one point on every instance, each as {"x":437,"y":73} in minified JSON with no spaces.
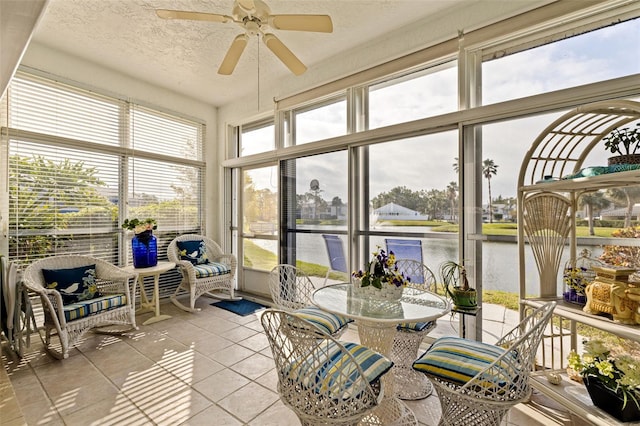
{"x":81,"y":162}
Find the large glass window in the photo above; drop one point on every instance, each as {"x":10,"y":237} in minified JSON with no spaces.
{"x":414,"y":96}
{"x":414,"y":194}
{"x":323,"y":121}
{"x":260,"y":218}
{"x":317,"y":210}
{"x":257,"y":138}
{"x":598,"y":55}
{"x":82,"y":163}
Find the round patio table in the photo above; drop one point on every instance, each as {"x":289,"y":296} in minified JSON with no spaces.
{"x":377,"y":321}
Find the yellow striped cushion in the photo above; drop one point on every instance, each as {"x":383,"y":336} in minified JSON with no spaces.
{"x":326,"y":321}
{"x":326,"y":371}
{"x":458,"y":360}
{"x":85,"y":308}
{"x":211,"y":269}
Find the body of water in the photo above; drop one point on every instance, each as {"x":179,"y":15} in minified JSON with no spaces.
{"x":499,"y":266}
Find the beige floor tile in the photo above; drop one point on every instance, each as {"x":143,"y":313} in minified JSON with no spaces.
{"x":211,"y":323}
{"x":175,"y":406}
{"x":269,"y":380}
{"x":41,"y":412}
{"x":276,"y":415}
{"x":190,"y":366}
{"x":80,"y":396}
{"x":213,"y":415}
{"x":221,"y":384}
{"x":231,"y":355}
{"x":254,"y":366}
{"x":261,"y":398}
{"x":238,"y":333}
{"x":257,"y":342}
{"x":118,"y":411}
{"x":212,"y":345}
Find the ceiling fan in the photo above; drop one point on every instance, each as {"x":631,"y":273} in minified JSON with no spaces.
{"x":255,"y":17}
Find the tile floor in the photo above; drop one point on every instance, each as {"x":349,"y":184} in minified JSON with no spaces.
{"x":209,"y":368}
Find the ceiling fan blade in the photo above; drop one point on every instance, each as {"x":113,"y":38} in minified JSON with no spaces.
{"x":193,"y":16}
{"x":284,"y":54}
{"x":247,"y":5}
{"x":233,"y":54}
{"x":315,"y":23}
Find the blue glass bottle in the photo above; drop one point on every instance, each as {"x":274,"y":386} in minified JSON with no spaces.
{"x":145,"y":250}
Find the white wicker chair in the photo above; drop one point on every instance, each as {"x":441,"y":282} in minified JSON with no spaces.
{"x":192,"y":283}
{"x":113,"y":283}
{"x":291,"y":291}
{"x":502,"y":378}
{"x":322,"y":380}
{"x":409,"y":383}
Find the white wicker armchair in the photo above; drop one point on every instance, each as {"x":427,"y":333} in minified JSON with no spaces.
{"x":409,"y":383}
{"x":322,"y":380}
{"x":478,"y":383}
{"x":69,"y":322}
{"x":196,"y":281}
{"x":291,"y":290}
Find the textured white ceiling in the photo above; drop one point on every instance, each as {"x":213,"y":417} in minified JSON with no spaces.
{"x":183,"y":56}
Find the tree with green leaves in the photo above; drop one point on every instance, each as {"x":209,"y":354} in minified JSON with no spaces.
{"x":42,"y":192}
{"x":489,"y":169}
{"x":626,"y":196}
{"x":452,"y":195}
{"x":593,"y":202}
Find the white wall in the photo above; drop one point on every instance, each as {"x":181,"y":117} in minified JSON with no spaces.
{"x":95,"y":76}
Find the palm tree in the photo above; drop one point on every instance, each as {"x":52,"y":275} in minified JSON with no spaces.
{"x":452,"y":195}
{"x":456,"y":165}
{"x":593,"y":202}
{"x":489,"y":169}
{"x":627,"y":196}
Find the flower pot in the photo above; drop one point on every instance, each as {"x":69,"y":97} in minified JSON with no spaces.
{"x":387,"y":292}
{"x":611,"y":402}
{"x":144,"y":248}
{"x":573,"y":296}
{"x":624,"y":159}
{"x":464,"y":299}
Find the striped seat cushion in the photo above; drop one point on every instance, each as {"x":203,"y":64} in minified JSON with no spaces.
{"x":85,"y":308}
{"x":327,"y":370}
{"x":415,"y":326}
{"x":211,"y":269}
{"x":326,"y":321}
{"x":458,"y":360}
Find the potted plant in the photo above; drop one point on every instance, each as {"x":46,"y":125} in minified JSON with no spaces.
{"x":144,"y":246}
{"x":380,"y":278}
{"x":626,"y":143}
{"x":611,"y":375}
{"x":456,"y":284}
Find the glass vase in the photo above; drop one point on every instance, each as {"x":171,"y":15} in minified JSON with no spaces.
{"x":144,"y":248}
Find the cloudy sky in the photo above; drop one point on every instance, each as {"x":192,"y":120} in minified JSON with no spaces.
{"x":426,"y":162}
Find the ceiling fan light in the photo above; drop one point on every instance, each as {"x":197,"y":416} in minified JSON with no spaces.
{"x":284,"y":54}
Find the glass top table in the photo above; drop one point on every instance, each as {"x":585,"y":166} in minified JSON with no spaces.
{"x":377,"y":321}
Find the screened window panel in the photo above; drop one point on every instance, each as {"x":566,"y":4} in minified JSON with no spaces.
{"x":256,"y":139}
{"x":67,"y":188}
{"x":153,"y":131}
{"x":426,"y":93}
{"x":61,"y":201}
{"x":324,"y":121}
{"x":58,"y":110}
{"x":168,"y":192}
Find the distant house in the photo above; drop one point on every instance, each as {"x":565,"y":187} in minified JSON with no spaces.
{"x":393,"y":211}
{"x":620,"y":213}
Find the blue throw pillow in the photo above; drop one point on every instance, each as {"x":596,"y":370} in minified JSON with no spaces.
{"x":74,"y":284}
{"x":194,"y":251}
